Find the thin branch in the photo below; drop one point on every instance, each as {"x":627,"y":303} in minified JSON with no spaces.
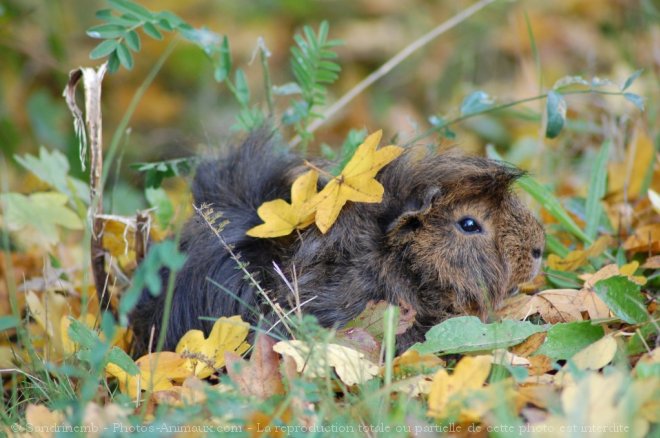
{"x":393,"y":62}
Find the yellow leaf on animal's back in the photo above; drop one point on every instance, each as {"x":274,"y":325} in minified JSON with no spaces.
{"x":281,"y":218}
{"x":356,"y":182}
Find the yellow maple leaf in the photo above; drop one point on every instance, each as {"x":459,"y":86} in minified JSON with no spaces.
{"x":157,"y":372}
{"x":281,"y":218}
{"x":205,"y":355}
{"x":356,"y":182}
{"x":469,"y":375}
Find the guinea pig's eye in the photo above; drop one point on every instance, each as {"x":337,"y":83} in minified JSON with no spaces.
{"x":469,"y":225}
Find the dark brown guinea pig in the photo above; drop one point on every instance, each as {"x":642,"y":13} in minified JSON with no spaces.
{"x":448,"y":238}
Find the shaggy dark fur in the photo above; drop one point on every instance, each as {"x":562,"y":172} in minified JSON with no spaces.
{"x":410,"y":247}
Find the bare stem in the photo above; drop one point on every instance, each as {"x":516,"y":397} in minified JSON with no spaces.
{"x":393,"y":62}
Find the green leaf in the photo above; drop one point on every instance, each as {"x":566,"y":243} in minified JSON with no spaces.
{"x":157,"y":198}
{"x":545,"y":197}
{"x":105,"y":31}
{"x":476,"y":102}
{"x":130,"y":7}
{"x":635,"y":99}
{"x":623,"y":298}
{"x":597,"y":187}
{"x":570,"y":80}
{"x":83,"y":335}
{"x":157,"y":171}
{"x":467,"y":333}
{"x":133,"y":41}
{"x":8,"y":322}
{"x":113,"y":62}
{"x":104,"y":49}
{"x":563,"y":341}
{"x":632,"y":78}
{"x":151,"y":30}
{"x":242,"y":89}
{"x":125,"y":57}
{"x":123,"y":361}
{"x":53,"y":168}
{"x":287,"y":89}
{"x":222,"y":70}
{"x":40,"y":212}
{"x":556,"y":109}
{"x":103,"y":14}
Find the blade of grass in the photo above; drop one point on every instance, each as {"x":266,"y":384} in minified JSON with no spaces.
{"x":544,"y":197}
{"x":597,"y":186}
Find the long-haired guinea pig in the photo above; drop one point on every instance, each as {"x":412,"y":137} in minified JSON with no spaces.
{"x":449,"y":238}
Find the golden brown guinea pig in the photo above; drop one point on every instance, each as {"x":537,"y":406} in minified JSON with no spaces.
{"x":449,"y":238}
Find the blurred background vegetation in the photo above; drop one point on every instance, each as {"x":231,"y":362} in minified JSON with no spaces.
{"x":511,"y":50}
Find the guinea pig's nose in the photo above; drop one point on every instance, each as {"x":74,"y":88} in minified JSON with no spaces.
{"x":536,"y":253}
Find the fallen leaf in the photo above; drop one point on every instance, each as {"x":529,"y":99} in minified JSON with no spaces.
{"x":578,"y":258}
{"x":314,"y":361}
{"x":260,"y":377}
{"x":356,"y":182}
{"x":470,"y":374}
{"x":42,"y":420}
{"x":596,"y":355}
{"x":281,"y":218}
{"x":530,"y":345}
{"x":612,"y":270}
{"x":540,"y":364}
{"x":652,"y":262}
{"x":645,"y":239}
{"x":412,"y":363}
{"x":191,"y":392}
{"x":600,"y":402}
{"x":206,"y":355}
{"x":157,"y":372}
{"x":626,"y":179}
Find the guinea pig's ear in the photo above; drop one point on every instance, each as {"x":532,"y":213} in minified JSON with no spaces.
{"x":411,"y":217}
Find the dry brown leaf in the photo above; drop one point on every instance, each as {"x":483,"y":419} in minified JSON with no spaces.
{"x":540,"y":364}
{"x":530,"y":345}
{"x":542,"y":396}
{"x":613,"y":270}
{"x":652,"y":262}
{"x":260,"y":377}
{"x":557,"y":305}
{"x":645,"y":239}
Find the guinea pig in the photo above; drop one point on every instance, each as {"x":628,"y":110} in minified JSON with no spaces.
{"x":449,"y":238}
